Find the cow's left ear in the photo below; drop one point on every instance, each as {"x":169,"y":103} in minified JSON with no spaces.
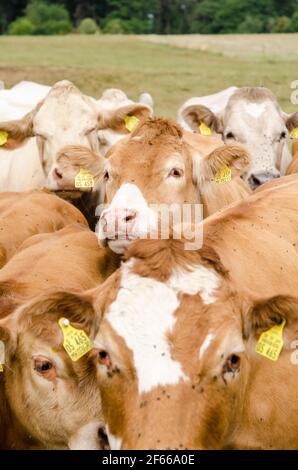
{"x":224,"y":163}
{"x":196,"y":115}
{"x":291,"y":121}
{"x":8,"y":339}
{"x":266,"y":313}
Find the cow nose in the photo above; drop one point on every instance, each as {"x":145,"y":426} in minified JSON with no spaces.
{"x":57,"y":174}
{"x":117,"y":221}
{"x":255,"y":180}
{"x":103,"y":439}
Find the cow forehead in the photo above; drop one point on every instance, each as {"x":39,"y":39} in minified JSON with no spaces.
{"x":144,"y":314}
{"x":249,"y":113}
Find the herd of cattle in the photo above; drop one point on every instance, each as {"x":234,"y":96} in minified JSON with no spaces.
{"x":110,"y":338}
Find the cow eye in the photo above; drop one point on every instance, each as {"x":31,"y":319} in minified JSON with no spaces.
{"x":232,"y":363}
{"x":44,"y":367}
{"x":230,"y":135}
{"x":176,"y":173}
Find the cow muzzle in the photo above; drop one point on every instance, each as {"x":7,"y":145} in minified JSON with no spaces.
{"x":257,"y":179}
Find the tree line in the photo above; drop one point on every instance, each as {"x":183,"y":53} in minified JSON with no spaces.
{"x":148,"y":16}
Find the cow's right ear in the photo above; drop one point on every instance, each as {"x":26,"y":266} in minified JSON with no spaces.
{"x":17,"y":132}
{"x":196,"y":115}
{"x":233,"y":157}
{"x":125,"y":119}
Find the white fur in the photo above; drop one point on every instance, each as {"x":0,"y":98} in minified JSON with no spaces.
{"x":114,"y":441}
{"x":86,"y":438}
{"x":199,"y":280}
{"x":255,"y":109}
{"x":143,"y":314}
{"x":205,"y":345}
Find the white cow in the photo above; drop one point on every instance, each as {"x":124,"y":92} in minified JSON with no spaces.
{"x":64,"y":119}
{"x":15,"y":174}
{"x":252,"y":117}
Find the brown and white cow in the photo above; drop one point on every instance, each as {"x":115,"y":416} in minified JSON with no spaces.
{"x":253,"y":118}
{"x":180,"y":328}
{"x":65,"y":117}
{"x":47,"y":400}
{"x":25,"y":214}
{"x":160,"y":164}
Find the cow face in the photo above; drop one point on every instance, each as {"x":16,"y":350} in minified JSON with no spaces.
{"x":177,"y":366}
{"x":253,"y":118}
{"x":54,"y":399}
{"x":159,"y":167}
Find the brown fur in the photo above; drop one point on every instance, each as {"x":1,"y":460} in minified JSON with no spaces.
{"x":29,"y":213}
{"x":115,"y":121}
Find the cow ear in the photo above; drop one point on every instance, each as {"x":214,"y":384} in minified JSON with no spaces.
{"x":196,"y":115}
{"x":266,"y":313}
{"x":234,"y":158}
{"x":292,"y":121}
{"x":17,"y":132}
{"x":119,"y":120}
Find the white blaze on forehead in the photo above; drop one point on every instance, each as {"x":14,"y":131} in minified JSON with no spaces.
{"x":198,"y":280}
{"x":143,"y":314}
{"x":205,"y":345}
{"x":114,"y":441}
{"x":255,"y":109}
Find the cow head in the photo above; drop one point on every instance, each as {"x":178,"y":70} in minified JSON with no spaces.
{"x":158,"y":165}
{"x":177,"y":367}
{"x":54,"y":399}
{"x":68,"y":118}
{"x":252,"y":117}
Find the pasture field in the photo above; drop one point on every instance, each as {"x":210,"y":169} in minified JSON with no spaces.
{"x":171,"y":68}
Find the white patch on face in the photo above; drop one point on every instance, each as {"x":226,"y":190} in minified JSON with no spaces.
{"x":114,"y":442}
{"x":86,"y":438}
{"x":128,"y":197}
{"x":255,"y":109}
{"x":143,"y":314}
{"x":205,"y":345}
{"x":199,"y":280}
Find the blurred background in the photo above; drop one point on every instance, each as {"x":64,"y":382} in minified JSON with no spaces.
{"x":170,"y":48}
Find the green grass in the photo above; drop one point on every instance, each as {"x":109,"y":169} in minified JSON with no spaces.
{"x":171,"y":73}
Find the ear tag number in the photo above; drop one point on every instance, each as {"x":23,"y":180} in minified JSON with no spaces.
{"x":131,"y":122}
{"x":224,"y":175}
{"x":76,"y":343}
{"x":270,"y":343}
{"x":84,"y":179}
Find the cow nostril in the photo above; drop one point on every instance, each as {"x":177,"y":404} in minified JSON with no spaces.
{"x":130,"y":217}
{"x":253,"y":181}
{"x":103,"y":440}
{"x":58,"y":174}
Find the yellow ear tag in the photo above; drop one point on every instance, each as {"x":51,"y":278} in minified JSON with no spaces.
{"x":3,"y":137}
{"x":294,"y":133}
{"x":205,"y":130}
{"x":131,"y":122}
{"x":271,"y":343}
{"x":224,"y":175}
{"x":76,"y":343}
{"x":1,"y":367}
{"x":84,"y":179}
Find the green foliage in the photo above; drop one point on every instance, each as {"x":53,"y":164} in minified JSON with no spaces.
{"x":21,"y":27}
{"x":48,"y":18}
{"x":151,"y":16}
{"x":88,"y":26}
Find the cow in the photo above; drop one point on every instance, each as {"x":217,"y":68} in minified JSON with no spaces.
{"x":48,"y":399}
{"x":25,"y":214}
{"x":160,"y":164}
{"x":15,"y":102}
{"x":65,"y":117}
{"x":293,"y":166}
{"x":177,"y":361}
{"x":253,"y":118}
